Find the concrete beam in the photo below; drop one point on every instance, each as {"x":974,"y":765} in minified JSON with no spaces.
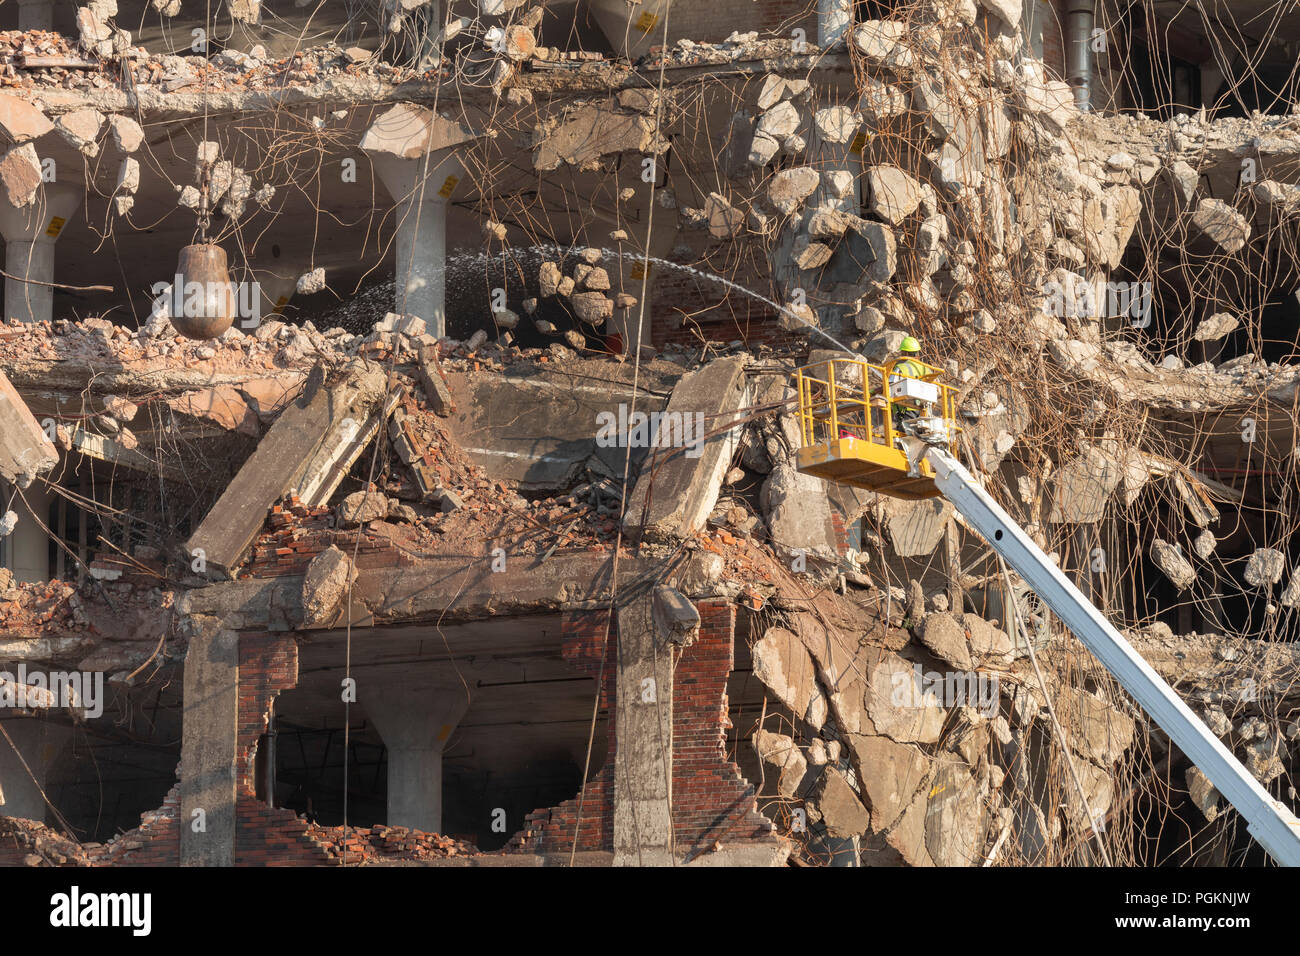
{"x":452,"y":589}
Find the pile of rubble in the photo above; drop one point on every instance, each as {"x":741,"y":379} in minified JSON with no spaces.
{"x":383,"y":844}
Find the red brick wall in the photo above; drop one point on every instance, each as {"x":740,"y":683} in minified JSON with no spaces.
{"x":265,"y":836}
{"x":711,"y":800}
{"x":715,"y":20}
{"x":688,"y":310}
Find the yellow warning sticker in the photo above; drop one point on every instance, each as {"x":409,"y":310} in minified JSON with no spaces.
{"x":280,"y":303}
{"x":859,"y":143}
{"x":56,"y":226}
{"x":647,"y":21}
{"x":637,"y":271}
{"x":447,"y":186}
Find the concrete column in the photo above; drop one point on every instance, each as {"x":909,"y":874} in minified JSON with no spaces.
{"x":643,"y":757}
{"x":632,"y":29}
{"x":30,"y":233}
{"x":40,"y":742}
{"x":209,"y":744}
{"x":422,"y":188}
{"x":415,"y":719}
{"x":35,"y":14}
{"x":27,"y":551}
{"x":833,"y":19}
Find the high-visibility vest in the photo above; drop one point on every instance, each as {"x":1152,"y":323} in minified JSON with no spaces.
{"x":910,"y":368}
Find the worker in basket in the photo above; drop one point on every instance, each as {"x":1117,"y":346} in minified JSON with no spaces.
{"x":908,"y":366}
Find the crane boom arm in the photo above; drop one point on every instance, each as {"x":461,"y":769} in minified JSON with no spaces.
{"x":1271,"y":824}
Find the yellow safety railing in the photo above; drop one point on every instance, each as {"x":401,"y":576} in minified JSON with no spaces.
{"x":842,"y":398}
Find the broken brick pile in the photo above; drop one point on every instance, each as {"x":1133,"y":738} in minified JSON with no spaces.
{"x":357,"y":847}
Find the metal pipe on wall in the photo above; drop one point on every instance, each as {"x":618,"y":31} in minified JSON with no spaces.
{"x":1079,"y":20}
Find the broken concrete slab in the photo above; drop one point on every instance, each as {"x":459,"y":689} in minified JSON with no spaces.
{"x":915,"y":528}
{"x":590,"y":132}
{"x":798,"y":512}
{"x":841,"y":812}
{"x":785,"y":667}
{"x":408,"y":131}
{"x":309,"y":447}
{"x":676,"y":491}
{"x":783,"y":753}
{"x":1082,"y":487}
{"x":896,"y":704}
{"x":20,"y":121}
{"x":25,"y":449}
{"x":890,"y":773}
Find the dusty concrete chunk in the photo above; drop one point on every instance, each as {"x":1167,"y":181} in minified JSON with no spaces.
{"x":81,"y":129}
{"x":785,"y":667}
{"x":591,"y":132}
{"x":592,"y":307}
{"x":839,"y":807}
{"x":836,"y":124}
{"x":782,"y":753}
{"x":780,"y":122}
{"x":1223,"y":224}
{"x":20,"y":121}
{"x":1264,"y":568}
{"x":325,"y":585}
{"x":1204,"y":796}
{"x":25,"y":450}
{"x":1099,"y":731}
{"x":882,"y":43}
{"x":1007,"y":10}
{"x":435,"y":387}
{"x":1171,"y":561}
{"x":20,"y":174}
{"x":1215,"y":327}
{"x":894,"y":195}
{"x":725,"y":220}
{"x":408,"y":131}
{"x":127,"y":134}
{"x":362,"y":506}
{"x":945,"y":636}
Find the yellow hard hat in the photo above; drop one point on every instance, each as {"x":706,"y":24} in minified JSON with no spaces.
{"x":909,"y":344}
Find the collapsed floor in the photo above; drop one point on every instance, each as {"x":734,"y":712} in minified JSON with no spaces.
{"x":372,"y":586}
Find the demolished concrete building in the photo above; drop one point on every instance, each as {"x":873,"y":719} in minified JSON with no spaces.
{"x":478,"y":535}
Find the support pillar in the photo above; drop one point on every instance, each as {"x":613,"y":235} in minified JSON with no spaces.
{"x":40,"y":742}
{"x":422,"y":188}
{"x":415,"y":720}
{"x":631,"y":28}
{"x":643,"y":758}
{"x":30,"y":233}
{"x":209,"y":744}
{"x":27,"y":547}
{"x":833,"y":19}
{"x":35,"y":15}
